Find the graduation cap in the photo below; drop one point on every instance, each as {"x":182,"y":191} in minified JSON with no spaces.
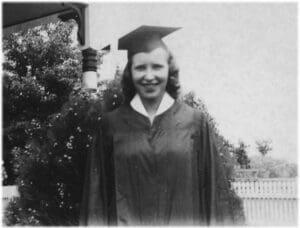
{"x":144,"y":39}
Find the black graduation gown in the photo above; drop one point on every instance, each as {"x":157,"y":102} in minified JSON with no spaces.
{"x":167,"y":173}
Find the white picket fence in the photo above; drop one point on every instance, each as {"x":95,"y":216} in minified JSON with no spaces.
{"x":268,"y":201}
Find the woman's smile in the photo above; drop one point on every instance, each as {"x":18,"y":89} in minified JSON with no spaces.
{"x":151,"y":85}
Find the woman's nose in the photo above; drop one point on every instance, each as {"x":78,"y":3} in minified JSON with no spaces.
{"x":149,"y":75}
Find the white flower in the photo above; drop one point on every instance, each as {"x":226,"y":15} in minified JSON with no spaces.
{"x":69,"y":145}
{"x":90,"y":138}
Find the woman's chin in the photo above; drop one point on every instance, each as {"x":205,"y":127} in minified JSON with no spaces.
{"x":150,"y":96}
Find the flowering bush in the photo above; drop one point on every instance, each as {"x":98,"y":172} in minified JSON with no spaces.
{"x":50,"y":168}
{"x":40,"y":69}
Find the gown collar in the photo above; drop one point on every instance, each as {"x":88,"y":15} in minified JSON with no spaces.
{"x":166,"y":102}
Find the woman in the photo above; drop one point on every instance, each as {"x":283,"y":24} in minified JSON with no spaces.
{"x":154,"y":160}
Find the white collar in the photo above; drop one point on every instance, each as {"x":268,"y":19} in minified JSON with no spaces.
{"x":166,"y":102}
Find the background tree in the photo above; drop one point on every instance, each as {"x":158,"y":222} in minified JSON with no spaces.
{"x":241,"y":155}
{"x":263,"y":146}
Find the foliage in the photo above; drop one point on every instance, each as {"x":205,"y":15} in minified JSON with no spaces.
{"x":45,"y":138}
{"x":263,"y":146}
{"x":40,"y":69}
{"x":273,"y":168}
{"x":241,"y":155}
{"x":30,"y":52}
{"x":57,"y":153}
{"x":51,"y":167}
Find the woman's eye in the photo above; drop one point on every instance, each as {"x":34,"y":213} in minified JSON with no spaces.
{"x":157,"y":66}
{"x":140,"y":68}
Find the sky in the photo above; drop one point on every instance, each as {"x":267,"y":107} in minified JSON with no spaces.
{"x":240,"y":59}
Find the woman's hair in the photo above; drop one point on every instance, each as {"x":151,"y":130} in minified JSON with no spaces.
{"x":173,"y":85}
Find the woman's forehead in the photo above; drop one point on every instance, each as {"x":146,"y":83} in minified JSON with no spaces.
{"x":158,"y":54}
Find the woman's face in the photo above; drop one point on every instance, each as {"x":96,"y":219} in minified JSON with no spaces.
{"x":150,"y":73}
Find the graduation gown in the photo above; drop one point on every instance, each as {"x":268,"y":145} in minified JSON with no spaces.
{"x":164,"y":173}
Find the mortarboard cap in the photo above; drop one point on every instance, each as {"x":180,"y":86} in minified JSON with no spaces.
{"x":144,"y":39}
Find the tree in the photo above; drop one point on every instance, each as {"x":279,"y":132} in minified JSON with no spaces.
{"x":263,"y":146}
{"x":241,"y":155}
{"x":40,"y":67}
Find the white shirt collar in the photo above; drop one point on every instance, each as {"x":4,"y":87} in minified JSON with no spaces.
{"x":166,"y":102}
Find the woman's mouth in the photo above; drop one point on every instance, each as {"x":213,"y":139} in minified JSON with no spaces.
{"x":150,"y":84}
{"x":149,"y":87}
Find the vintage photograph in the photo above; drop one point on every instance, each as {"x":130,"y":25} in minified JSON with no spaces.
{"x":149,"y":113}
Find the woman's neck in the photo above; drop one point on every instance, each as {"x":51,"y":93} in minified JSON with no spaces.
{"x":151,"y":105}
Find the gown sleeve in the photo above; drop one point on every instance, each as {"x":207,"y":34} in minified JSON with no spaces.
{"x":217,"y":200}
{"x":98,"y":201}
